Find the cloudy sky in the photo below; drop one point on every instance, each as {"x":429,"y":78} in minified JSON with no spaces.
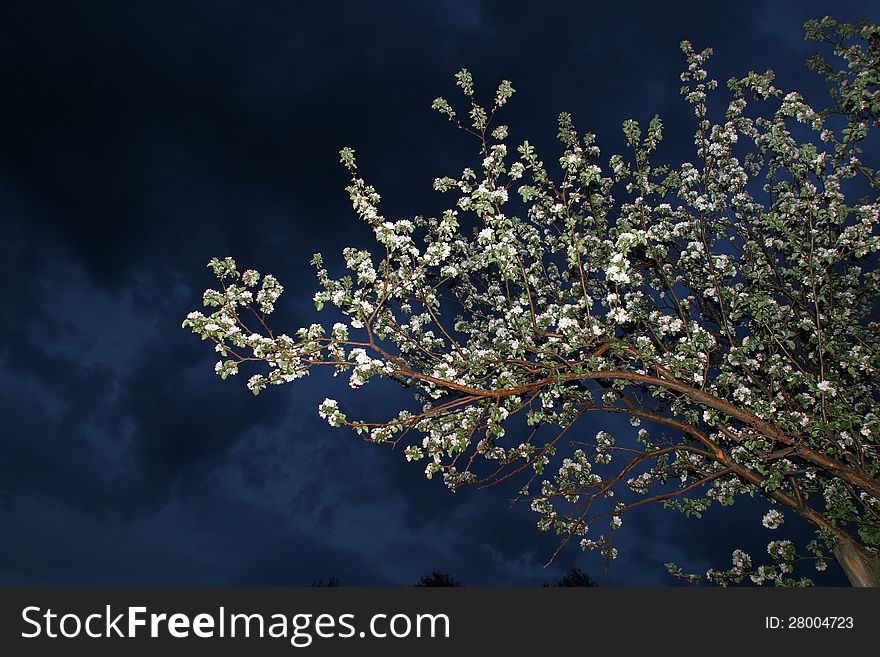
{"x":140,"y":139}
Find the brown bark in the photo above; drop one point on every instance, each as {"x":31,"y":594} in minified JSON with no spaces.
{"x":860,"y":567}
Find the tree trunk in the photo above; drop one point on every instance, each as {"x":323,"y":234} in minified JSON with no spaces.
{"x":859,"y":566}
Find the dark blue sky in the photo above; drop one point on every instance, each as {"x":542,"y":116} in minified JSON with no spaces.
{"x":140,"y":139}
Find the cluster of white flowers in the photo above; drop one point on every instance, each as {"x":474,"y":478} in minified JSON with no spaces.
{"x":761,"y":575}
{"x":741,"y":561}
{"x":773,"y":519}
{"x":437,"y":253}
{"x":618,"y":315}
{"x":640,"y":483}
{"x":782,"y":549}
{"x":329,"y":410}
{"x":742,"y":394}
{"x":364,"y":367}
{"x":617,"y":270}
{"x":269,"y":293}
{"x":250,"y":277}
{"x":604,"y":441}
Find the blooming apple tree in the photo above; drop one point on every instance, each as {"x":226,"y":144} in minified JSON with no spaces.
{"x":725,"y":305}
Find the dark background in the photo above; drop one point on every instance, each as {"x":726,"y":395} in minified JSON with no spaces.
{"x":140,"y":139}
